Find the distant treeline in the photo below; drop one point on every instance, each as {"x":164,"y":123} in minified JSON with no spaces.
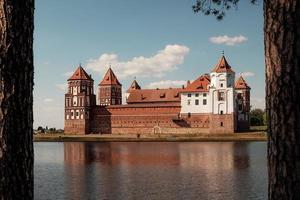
{"x":41,"y":129}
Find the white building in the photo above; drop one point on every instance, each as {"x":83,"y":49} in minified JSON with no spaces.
{"x":217,"y":93}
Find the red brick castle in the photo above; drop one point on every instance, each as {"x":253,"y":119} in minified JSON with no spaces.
{"x":213,"y":103}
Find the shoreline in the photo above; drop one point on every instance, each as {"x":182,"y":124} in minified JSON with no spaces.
{"x":258,"y":136}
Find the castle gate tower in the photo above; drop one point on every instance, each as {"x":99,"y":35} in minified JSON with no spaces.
{"x":79,"y":100}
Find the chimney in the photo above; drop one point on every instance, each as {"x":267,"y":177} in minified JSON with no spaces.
{"x":182,"y":86}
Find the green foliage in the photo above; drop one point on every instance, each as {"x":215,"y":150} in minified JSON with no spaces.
{"x":257,"y":117}
{"x":216,"y":7}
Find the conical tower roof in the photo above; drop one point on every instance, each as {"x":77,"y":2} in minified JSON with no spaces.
{"x":241,"y":84}
{"x":80,"y":74}
{"x":222,"y":66}
{"x":110,"y":78}
{"x":134,"y":86}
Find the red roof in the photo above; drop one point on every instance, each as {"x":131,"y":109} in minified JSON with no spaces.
{"x":241,"y":84}
{"x":110,"y":78}
{"x":134,"y":86}
{"x":80,"y":74}
{"x":154,"y":95}
{"x":146,"y":105}
{"x":222,"y":66}
{"x":199,"y":85}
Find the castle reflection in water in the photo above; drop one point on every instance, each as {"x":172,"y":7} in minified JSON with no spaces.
{"x":214,"y":156}
{"x":151,"y":170}
{"x":123,"y":166}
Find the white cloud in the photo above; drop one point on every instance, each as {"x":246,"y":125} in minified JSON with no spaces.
{"x":158,"y":65}
{"x":230,"y":41}
{"x":62,"y":86}
{"x":247,"y":74}
{"x":166,"y":84}
{"x":68,"y":74}
{"x":47,"y":100}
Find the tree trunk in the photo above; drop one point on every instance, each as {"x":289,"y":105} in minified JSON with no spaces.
{"x":16,"y":85}
{"x":282,"y":56}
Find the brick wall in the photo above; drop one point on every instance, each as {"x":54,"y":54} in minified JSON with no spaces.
{"x":149,"y":120}
{"x":146,"y":120}
{"x":76,"y":126}
{"x":222,"y":124}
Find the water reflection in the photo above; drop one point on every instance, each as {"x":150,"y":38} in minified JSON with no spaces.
{"x":202,"y":155}
{"x":120,"y":170}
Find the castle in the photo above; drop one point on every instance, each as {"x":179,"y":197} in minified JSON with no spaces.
{"x":213,"y":103}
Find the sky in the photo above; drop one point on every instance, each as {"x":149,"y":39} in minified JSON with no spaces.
{"x":161,"y":43}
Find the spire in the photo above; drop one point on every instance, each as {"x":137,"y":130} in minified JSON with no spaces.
{"x":110,"y":78}
{"x":134,"y":86}
{"x":222,"y":65}
{"x":80,"y":74}
{"x":241,"y":84}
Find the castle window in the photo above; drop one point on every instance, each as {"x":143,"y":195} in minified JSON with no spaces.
{"x":221,"y":85}
{"x":197,"y":102}
{"x":189,"y":114}
{"x":221,"y":96}
{"x":204,"y":94}
{"x":204,"y":101}
{"x":189,"y":95}
{"x":197,"y":94}
{"x":221,"y":123}
{"x":188,"y":102}
{"x":221,"y":112}
{"x":77,"y":113}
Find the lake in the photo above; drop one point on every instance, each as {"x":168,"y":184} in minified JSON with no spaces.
{"x":151,"y":170}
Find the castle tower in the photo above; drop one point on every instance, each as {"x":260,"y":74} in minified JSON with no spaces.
{"x":79,"y":100}
{"x":222,"y":97}
{"x":134,"y":86}
{"x":221,"y":87}
{"x":243,"y":104}
{"x":110,"y":90}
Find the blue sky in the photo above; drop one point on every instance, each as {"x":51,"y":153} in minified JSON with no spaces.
{"x":161,"y":43}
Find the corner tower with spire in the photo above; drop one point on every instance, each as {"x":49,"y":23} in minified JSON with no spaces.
{"x":222,"y":87}
{"x":222,"y":98}
{"x":110,"y":90}
{"x":134,"y":86}
{"x":242,"y":104}
{"x":79,"y":100}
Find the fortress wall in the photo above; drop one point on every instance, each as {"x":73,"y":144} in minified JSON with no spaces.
{"x":149,"y":120}
{"x":158,"y":120}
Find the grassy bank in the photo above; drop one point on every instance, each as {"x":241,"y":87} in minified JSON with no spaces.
{"x":250,"y":136}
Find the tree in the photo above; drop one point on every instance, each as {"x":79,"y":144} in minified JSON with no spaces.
{"x":16,"y":85}
{"x":282,"y":60}
{"x":257,"y":117}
